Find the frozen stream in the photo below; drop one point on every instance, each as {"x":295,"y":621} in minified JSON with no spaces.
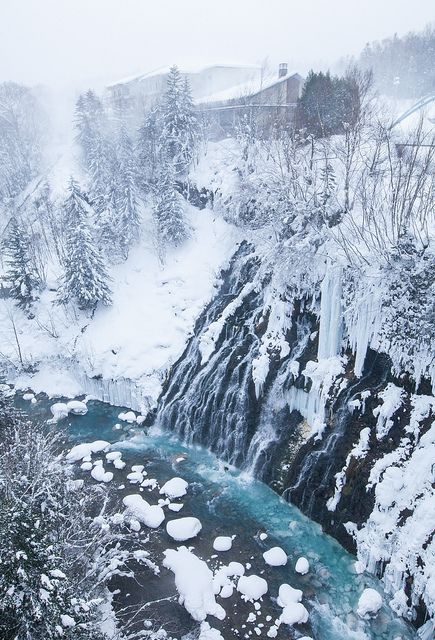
{"x":229,"y":504}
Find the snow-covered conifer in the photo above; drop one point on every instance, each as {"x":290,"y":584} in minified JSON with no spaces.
{"x":21,"y":273}
{"x":128,"y":222}
{"x":85,"y":278}
{"x":168,"y":210}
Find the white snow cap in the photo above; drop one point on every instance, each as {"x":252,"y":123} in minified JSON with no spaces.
{"x":183,"y":528}
{"x":150,"y":515}
{"x":100,"y":475}
{"x":252,"y":587}
{"x":294,"y":613}
{"x":302,"y":566}
{"x":222,"y":543}
{"x":59,"y":411}
{"x":369,"y":603}
{"x":174,"y":488}
{"x":128,"y":416}
{"x":77,"y":407}
{"x":194,"y":583}
{"x":287,"y":595}
{"x":275,"y":557}
{"x":81,"y":451}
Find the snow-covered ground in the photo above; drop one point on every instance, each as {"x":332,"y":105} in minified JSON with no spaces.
{"x":137,"y":338}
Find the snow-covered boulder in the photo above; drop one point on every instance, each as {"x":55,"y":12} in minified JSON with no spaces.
{"x":302,"y":566}
{"x":275,"y":557}
{"x":59,"y":410}
{"x":77,"y":407}
{"x":194,"y":583}
{"x":128,"y":416}
{"x":100,"y":475}
{"x":252,"y":587}
{"x":113,"y":455}
{"x":206,"y":632}
{"x":222,"y":543}
{"x":369,"y":603}
{"x":84,"y":450}
{"x":294,"y":613}
{"x":175,"y":506}
{"x":183,"y":528}
{"x":174,"y":488}
{"x":287,"y":595}
{"x":234,"y":569}
{"x":118,"y":463}
{"x":28,"y":396}
{"x":151,"y":516}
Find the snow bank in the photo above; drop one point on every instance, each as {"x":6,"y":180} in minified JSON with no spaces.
{"x":183,"y":528}
{"x":194,"y":583}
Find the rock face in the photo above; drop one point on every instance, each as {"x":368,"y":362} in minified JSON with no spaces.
{"x":272,"y":388}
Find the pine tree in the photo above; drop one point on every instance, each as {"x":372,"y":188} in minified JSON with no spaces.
{"x":20,"y":269}
{"x":85,"y":277}
{"x":168,"y":211}
{"x":149,"y":148}
{"x":128,"y":223}
{"x":179,"y":121}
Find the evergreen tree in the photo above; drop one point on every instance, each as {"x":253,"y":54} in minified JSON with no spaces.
{"x":128,"y":223}
{"x":168,"y":211}
{"x":85,"y":277}
{"x":179,"y":121}
{"x":149,"y":148}
{"x":20,"y":272}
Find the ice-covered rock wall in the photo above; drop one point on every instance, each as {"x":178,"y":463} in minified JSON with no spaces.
{"x":302,"y":395}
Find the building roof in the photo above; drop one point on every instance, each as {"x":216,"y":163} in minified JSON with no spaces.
{"x":246,"y":89}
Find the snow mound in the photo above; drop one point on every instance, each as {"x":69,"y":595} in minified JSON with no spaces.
{"x":194,"y":583}
{"x":80,"y":451}
{"x":100,"y":475}
{"x":252,"y":587}
{"x":151,"y":516}
{"x":302,"y":566}
{"x":275,"y":557}
{"x":175,"y":506}
{"x":174,"y":488}
{"x":222,"y":543}
{"x":59,"y":411}
{"x":287,"y":594}
{"x":234,"y":569}
{"x":369,"y":603}
{"x":294,"y":613}
{"x":77,"y":407}
{"x":183,"y":528}
{"x":128,"y":416}
{"x":206,"y":632}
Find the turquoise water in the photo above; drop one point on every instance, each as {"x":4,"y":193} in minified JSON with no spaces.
{"x":227,"y":503}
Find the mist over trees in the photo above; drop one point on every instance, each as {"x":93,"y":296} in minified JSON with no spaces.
{"x":403,"y":67}
{"x":23,"y":127}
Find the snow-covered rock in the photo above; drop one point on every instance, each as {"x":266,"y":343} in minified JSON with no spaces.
{"x":128,"y":416}
{"x":119,"y":464}
{"x":369,"y":603}
{"x":84,"y":450}
{"x":174,"y":488}
{"x":28,"y":396}
{"x":287,"y":594}
{"x":275,"y":557}
{"x":234,"y":569}
{"x":111,"y":456}
{"x":222,"y":543}
{"x":302,"y":566}
{"x":206,"y":632}
{"x":194,"y":583}
{"x":59,"y":410}
{"x":294,"y":613}
{"x":252,"y":587}
{"x":183,"y":528}
{"x":151,"y":516}
{"x":77,"y":407}
{"x":175,"y":506}
{"x":100,"y":475}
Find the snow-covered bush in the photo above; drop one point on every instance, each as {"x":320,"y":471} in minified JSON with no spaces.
{"x":58,"y":544}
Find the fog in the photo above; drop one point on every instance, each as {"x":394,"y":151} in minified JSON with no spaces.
{"x":75,"y":43}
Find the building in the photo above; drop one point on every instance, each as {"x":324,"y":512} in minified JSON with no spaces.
{"x":265,"y":102}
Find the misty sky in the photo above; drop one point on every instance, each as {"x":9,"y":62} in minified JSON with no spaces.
{"x":83,"y":42}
